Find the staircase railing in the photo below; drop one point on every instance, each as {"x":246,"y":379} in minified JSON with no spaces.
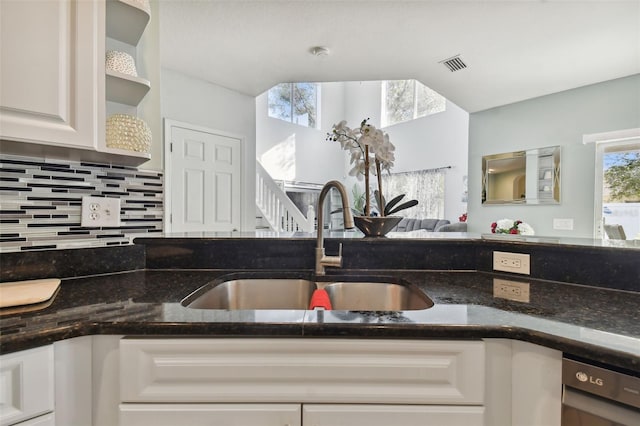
{"x":276,"y":207}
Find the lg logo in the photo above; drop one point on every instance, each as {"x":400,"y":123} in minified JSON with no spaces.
{"x":583,"y":377}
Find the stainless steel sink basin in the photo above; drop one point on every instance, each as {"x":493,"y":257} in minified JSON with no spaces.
{"x":255,"y":293}
{"x":295,"y":293}
{"x":375,"y":296}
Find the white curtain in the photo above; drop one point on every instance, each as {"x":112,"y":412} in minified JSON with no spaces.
{"x":426,"y":186}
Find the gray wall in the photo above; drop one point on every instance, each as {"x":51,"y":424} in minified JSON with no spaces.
{"x":558,"y":119}
{"x":198,"y":102}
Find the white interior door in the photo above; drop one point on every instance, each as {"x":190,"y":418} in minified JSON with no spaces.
{"x":204,"y":179}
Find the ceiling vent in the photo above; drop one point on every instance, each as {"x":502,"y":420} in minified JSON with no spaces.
{"x":454,"y":63}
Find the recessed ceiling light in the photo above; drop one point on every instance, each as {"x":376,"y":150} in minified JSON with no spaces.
{"x":319,"y":51}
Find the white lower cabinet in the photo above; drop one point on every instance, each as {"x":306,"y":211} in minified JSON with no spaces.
{"x":210,"y":414}
{"x":301,"y":381}
{"x":26,"y":387}
{"x":297,"y":415}
{"x":46,"y":420}
{"x":387,"y":415}
{"x":302,"y":370}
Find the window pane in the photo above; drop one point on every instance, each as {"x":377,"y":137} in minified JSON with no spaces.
{"x":280,"y":101}
{"x":426,"y":186}
{"x":429,"y":101}
{"x":398,"y":105}
{"x":295,"y":102}
{"x":304,"y":104}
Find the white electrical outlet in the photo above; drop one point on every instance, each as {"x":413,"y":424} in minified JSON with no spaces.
{"x":100,"y":211}
{"x":511,"y":262}
{"x":512,"y":290}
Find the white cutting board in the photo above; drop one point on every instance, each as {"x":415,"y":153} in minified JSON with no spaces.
{"x":19,"y":293}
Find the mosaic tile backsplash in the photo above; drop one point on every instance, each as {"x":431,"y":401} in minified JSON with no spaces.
{"x":40,"y":203}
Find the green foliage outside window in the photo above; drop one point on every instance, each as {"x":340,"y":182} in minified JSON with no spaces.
{"x":294,"y":102}
{"x":623,"y":177}
{"x":405,"y":100}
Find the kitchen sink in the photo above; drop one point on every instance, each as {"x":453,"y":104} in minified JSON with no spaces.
{"x":253,"y":293}
{"x":295,"y":293}
{"x":376,"y":296}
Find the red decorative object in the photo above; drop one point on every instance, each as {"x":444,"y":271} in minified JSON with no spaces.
{"x":463,"y":218}
{"x":509,"y":226}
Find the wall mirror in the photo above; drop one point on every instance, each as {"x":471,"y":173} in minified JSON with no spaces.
{"x":522,"y":177}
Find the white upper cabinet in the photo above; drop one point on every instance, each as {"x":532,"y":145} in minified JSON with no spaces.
{"x":51,"y":72}
{"x":54,"y":88}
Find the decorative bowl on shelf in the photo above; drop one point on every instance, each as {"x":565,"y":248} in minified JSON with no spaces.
{"x":128,"y":132}
{"x":120,"y":62}
{"x":376,"y":226}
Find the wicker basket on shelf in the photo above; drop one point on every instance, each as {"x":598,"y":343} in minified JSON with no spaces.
{"x":120,"y":62}
{"x":128,"y":132}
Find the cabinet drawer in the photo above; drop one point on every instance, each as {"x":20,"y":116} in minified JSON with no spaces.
{"x":302,"y":370}
{"x":26,"y":384}
{"x":386,"y":415}
{"x":210,"y":414}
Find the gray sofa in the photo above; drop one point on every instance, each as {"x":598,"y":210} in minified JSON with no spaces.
{"x":453,"y":227}
{"x":431,"y":225}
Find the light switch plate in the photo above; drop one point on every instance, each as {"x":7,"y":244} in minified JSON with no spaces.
{"x":563,"y":224}
{"x":100,"y":212}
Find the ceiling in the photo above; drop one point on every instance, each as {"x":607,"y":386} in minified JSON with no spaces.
{"x":514,"y":49}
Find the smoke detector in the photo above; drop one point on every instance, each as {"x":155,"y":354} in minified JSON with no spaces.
{"x":454,"y":63}
{"x":319,"y":51}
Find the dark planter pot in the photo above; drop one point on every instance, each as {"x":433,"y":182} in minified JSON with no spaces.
{"x":376,"y":226}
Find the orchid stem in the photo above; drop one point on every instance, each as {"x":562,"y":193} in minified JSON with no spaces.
{"x":380,"y":197}
{"x":367,"y":205}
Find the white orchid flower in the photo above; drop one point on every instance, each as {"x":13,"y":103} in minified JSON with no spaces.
{"x":364,"y":139}
{"x":341,"y":127}
{"x":357,"y":170}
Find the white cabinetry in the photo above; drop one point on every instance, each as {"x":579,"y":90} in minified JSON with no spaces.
{"x":386,"y":415}
{"x":210,"y":414}
{"x":524,"y":384}
{"x":73,"y":378}
{"x":54,"y":90}
{"x":445,"y":378}
{"x":536,"y":385}
{"x":46,"y":420}
{"x":50,"y":72}
{"x":125,"y":24}
{"x":26,"y":387}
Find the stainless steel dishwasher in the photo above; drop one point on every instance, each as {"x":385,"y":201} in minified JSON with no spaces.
{"x":597,"y":396}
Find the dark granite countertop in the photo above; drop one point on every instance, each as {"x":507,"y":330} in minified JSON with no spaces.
{"x":417,"y":235}
{"x":601,"y":325}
